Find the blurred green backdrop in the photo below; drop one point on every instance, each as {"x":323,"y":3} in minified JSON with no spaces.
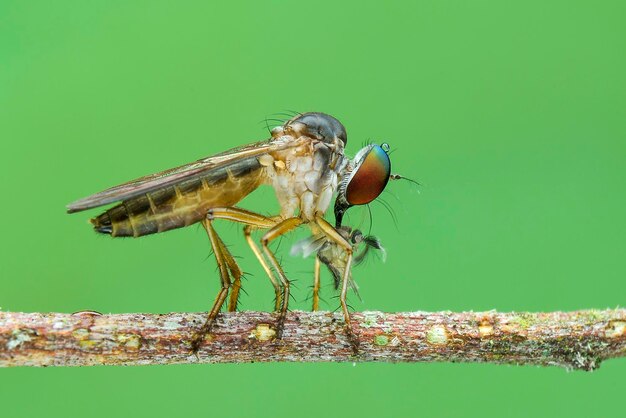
{"x":511,"y":115}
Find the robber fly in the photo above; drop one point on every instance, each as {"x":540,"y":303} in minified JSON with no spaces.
{"x":303,"y":161}
{"x":335,"y":258}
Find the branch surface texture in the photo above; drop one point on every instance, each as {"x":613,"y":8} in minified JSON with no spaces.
{"x":575,"y":340}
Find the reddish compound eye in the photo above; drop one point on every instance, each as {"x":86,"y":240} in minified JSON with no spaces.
{"x":370,"y":176}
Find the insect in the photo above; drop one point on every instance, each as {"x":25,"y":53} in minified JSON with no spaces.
{"x":335,"y":258}
{"x":303,"y":161}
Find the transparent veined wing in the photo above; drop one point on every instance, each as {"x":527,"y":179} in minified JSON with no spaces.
{"x":200,"y":168}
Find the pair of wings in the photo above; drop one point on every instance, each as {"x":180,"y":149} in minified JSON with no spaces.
{"x":201,"y":168}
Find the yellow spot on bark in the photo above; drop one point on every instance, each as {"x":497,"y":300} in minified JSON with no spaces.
{"x":485,"y":329}
{"x":263,"y":332}
{"x":129,"y":340}
{"x":80,"y":334}
{"x":437,"y":335}
{"x":86,"y":343}
{"x":616,"y":329}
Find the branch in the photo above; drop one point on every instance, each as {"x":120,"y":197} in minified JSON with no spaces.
{"x":575,"y":340}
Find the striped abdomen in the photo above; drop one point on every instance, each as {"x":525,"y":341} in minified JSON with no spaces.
{"x":177,"y":206}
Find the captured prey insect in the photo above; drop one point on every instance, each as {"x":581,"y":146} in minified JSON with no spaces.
{"x":335,"y":258}
{"x":303,"y":161}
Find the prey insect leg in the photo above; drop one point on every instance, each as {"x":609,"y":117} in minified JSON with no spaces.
{"x":278,"y":230}
{"x":218,"y":250}
{"x":333,"y":235}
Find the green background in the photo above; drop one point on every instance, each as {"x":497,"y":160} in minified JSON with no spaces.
{"x":511,"y":115}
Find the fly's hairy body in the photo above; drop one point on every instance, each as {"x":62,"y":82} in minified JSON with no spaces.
{"x":303,"y":162}
{"x":179,"y":205}
{"x":303,"y":177}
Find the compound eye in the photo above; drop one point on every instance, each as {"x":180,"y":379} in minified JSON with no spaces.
{"x":369,"y":177}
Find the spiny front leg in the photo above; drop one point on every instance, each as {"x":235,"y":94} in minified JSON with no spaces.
{"x":336,"y":237}
{"x":257,"y":253}
{"x":352,"y":337}
{"x":280,"y":229}
{"x":316,"y":285}
{"x":218,"y":250}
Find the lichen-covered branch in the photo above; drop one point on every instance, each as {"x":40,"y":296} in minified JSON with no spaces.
{"x":576,"y":340}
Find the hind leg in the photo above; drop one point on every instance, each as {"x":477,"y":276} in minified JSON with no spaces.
{"x":276,"y":229}
{"x":220,"y":257}
{"x":236,"y":275}
{"x":251,"y":220}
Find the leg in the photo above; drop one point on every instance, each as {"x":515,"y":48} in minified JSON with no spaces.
{"x":316,"y":285}
{"x":277,"y":231}
{"x":242,"y":216}
{"x":334,"y":236}
{"x":218,"y":247}
{"x":250,"y":220}
{"x":255,"y":249}
{"x":236,"y":274}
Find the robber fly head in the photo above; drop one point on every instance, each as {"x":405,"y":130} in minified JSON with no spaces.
{"x":316,"y":125}
{"x":364,"y":179}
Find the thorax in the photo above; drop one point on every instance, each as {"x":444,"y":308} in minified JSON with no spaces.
{"x":304,"y":178}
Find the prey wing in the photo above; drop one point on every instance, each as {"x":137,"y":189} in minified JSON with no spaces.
{"x":173,"y":176}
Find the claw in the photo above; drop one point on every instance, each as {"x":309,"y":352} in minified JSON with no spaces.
{"x":200,"y":335}
{"x":280,"y":327}
{"x":353,"y":339}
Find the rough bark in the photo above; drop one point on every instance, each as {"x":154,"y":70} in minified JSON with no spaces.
{"x":575,"y":340}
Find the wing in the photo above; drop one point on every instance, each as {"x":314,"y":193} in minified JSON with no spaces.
{"x":173,"y":176}
{"x":308,"y":245}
